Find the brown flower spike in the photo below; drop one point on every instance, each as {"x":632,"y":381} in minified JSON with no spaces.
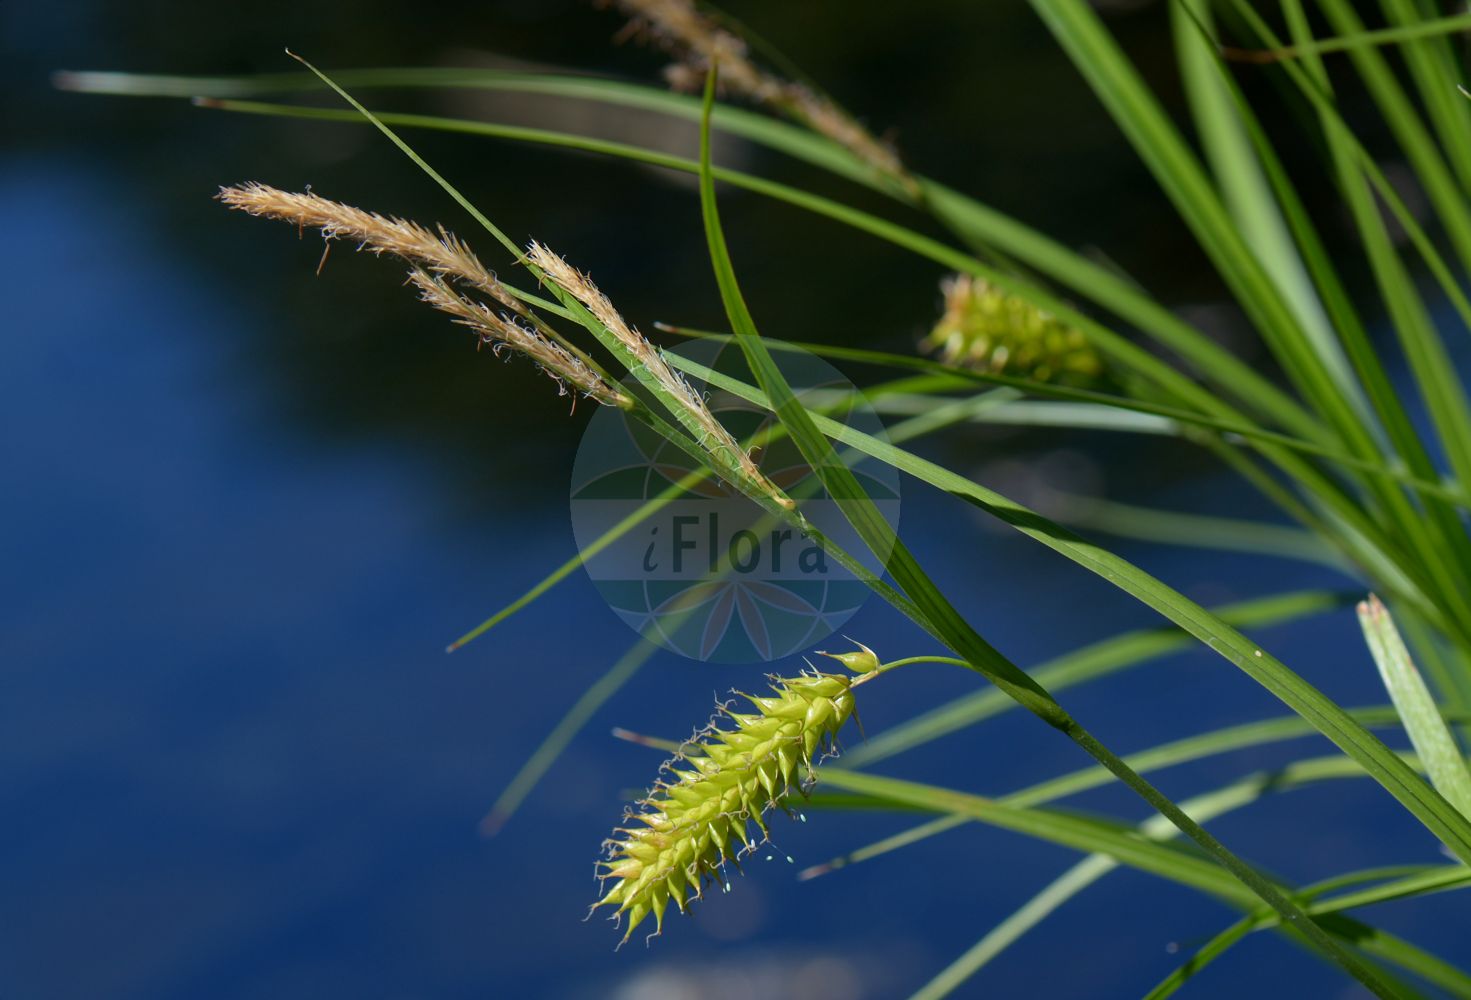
{"x":695,"y":38}
{"x":694,"y":413}
{"x":438,"y":257}
{"x":441,"y":252}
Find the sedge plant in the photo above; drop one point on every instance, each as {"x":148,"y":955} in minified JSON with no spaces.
{"x":1376,"y":480}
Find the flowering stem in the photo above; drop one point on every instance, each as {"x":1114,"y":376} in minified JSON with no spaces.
{"x":884,"y":668}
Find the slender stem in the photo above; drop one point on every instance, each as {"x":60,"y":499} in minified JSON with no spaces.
{"x":884,"y":668}
{"x":1292,"y":916}
{"x":895,"y":664}
{"x":1359,"y":40}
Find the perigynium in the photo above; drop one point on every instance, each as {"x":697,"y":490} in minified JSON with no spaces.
{"x":987,"y":328}
{"x":697,"y":817}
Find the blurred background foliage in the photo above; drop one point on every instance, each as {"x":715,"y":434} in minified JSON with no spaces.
{"x":247,"y":505}
{"x":976,"y":95}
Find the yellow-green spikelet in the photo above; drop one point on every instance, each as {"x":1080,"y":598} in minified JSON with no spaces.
{"x":989,"y":329}
{"x":695,"y":821}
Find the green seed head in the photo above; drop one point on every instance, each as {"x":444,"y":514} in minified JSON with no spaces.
{"x":988,"y":329}
{"x":861,"y":661}
{"x":696,"y":818}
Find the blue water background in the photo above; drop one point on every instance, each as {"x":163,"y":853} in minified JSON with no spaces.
{"x":234,"y":761}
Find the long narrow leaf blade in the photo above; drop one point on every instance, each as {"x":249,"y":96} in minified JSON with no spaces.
{"x":1428,"y":732}
{"x":1441,"y":818}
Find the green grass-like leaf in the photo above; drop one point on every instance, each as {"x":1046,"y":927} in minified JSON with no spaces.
{"x":1345,"y":459}
{"x":943,"y":619}
{"x":1443,"y":759}
{"x":1327,"y":717}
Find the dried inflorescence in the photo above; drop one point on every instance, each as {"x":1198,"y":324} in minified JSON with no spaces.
{"x":444,"y":268}
{"x":438,"y":257}
{"x":986,"y":328}
{"x":441,"y":252}
{"x":502,"y":331}
{"x":694,"y":412}
{"x":696,"y":820}
{"x":699,"y":42}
